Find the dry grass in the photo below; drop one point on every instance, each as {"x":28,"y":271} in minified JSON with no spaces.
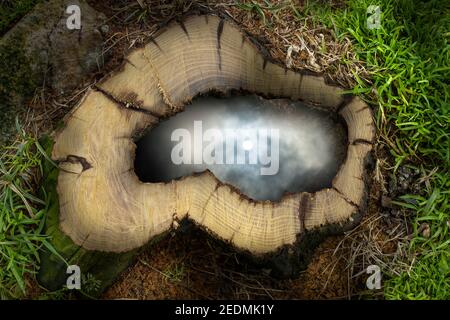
{"x":312,"y":46}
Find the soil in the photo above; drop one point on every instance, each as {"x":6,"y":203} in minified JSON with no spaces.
{"x":191,"y":266}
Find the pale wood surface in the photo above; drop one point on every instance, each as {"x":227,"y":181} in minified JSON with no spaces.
{"x":104,"y":206}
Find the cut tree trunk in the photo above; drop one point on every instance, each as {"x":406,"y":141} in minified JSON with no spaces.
{"x":103,"y":205}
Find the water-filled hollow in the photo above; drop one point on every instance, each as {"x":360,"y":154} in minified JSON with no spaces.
{"x":263,"y":147}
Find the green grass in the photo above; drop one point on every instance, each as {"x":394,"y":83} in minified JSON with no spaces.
{"x":175,"y":273}
{"x":22,"y":214}
{"x":408,"y":61}
{"x":12,"y":10}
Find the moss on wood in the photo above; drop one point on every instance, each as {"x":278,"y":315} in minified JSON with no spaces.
{"x":105,"y":267}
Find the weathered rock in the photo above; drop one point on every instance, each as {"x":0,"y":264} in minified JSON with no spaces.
{"x":41,"y":51}
{"x":76,"y":53}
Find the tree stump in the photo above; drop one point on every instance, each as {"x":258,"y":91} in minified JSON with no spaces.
{"x":105,"y":208}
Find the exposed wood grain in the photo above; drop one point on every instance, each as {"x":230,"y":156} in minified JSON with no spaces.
{"x":105,"y":207}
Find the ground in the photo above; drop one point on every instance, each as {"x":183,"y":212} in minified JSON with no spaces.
{"x":406,"y":229}
{"x":188,"y":266}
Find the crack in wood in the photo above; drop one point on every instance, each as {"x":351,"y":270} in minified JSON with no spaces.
{"x":362,"y":109}
{"x":161,"y":89}
{"x":153,"y":40}
{"x":264,"y":63}
{"x":207,"y":201}
{"x":129,"y":62}
{"x":361,"y":141}
{"x":183,"y":26}
{"x":345,"y":198}
{"x":219,"y":35}
{"x":85,"y":165}
{"x":303,"y":206}
{"x":343,"y":104}
{"x":126,"y":105}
